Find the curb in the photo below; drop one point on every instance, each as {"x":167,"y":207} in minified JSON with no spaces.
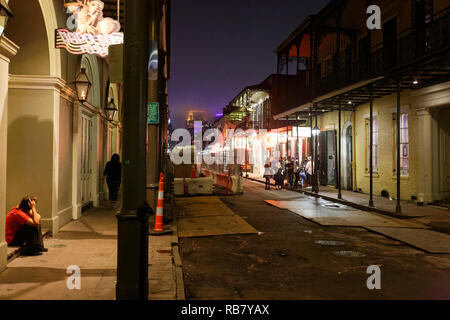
{"x":14,"y":254}
{"x":177,"y":264}
{"x":345,"y":202}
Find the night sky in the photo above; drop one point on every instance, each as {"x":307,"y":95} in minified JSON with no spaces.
{"x":220,"y":47}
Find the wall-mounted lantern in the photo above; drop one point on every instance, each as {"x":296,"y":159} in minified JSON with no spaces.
{"x":111,"y":111}
{"x":83,"y":85}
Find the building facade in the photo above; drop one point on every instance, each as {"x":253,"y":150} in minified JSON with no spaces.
{"x":377,"y":92}
{"x":253,"y":111}
{"x":51,"y":145}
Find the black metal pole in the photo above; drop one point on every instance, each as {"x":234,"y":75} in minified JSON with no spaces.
{"x":339,"y":151}
{"x":316,"y":167}
{"x":371,"y":148}
{"x":312,"y":150}
{"x":399,"y":207}
{"x":287,"y":138}
{"x":132,"y":252}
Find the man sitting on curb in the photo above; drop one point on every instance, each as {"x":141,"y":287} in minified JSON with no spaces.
{"x":23,"y":227}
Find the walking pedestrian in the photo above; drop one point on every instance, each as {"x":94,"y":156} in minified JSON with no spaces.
{"x":113,"y":175}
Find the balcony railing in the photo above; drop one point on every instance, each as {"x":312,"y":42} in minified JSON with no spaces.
{"x":411,"y":45}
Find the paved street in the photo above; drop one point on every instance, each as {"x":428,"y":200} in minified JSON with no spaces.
{"x":291,"y":258}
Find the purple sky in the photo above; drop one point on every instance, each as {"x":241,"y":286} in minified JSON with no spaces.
{"x":220,"y":47}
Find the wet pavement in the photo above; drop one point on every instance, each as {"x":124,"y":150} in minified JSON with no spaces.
{"x":294,"y":258}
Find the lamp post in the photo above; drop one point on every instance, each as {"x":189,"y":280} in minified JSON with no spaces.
{"x":315,"y":133}
{"x":83,"y":85}
{"x":132,"y":221}
{"x":5,"y":15}
{"x":111,"y":111}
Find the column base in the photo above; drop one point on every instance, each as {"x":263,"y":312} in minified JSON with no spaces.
{"x":3,"y":255}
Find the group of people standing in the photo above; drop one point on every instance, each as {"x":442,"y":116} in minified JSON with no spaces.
{"x":297,"y":174}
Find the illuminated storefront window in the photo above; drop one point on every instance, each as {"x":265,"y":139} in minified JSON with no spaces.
{"x":404,"y":144}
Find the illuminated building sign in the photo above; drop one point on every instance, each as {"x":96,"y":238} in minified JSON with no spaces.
{"x":92,"y":33}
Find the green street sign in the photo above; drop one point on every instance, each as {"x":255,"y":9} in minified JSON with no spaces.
{"x":153,"y":113}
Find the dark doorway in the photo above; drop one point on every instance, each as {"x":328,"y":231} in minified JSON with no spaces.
{"x":423,"y":18}
{"x":348,"y":158}
{"x":390,"y":44}
{"x":364,"y":56}
{"x":327,"y":159}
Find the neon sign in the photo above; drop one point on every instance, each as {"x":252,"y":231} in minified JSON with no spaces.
{"x":92,"y":33}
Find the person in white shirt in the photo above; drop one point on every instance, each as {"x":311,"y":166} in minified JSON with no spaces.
{"x":308,"y":170}
{"x":268,"y":173}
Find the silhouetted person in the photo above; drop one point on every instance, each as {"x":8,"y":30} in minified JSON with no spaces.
{"x":23,"y":227}
{"x":279,"y":179}
{"x":113,"y":174}
{"x":290,"y":173}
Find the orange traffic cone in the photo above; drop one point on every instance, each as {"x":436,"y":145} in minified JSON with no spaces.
{"x":160,"y":206}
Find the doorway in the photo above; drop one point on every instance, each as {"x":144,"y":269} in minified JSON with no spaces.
{"x":390,"y":44}
{"x":444,"y":156}
{"x":86,"y":163}
{"x":327,"y":158}
{"x":347,"y":157}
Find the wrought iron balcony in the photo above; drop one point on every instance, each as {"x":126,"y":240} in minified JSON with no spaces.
{"x":413,"y":45}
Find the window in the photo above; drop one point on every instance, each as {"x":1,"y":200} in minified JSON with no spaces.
{"x":404,"y":144}
{"x":375,"y":145}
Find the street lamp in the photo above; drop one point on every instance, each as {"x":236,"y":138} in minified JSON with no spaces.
{"x":111,"y":111}
{"x":83,"y":85}
{"x":316,"y":131}
{"x":5,"y":14}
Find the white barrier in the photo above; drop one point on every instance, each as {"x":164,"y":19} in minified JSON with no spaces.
{"x":237,"y":186}
{"x":198,"y":186}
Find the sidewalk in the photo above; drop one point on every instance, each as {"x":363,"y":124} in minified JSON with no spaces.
{"x":437,"y":218}
{"x":91,"y":244}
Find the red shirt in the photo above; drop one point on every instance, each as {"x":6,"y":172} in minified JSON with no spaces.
{"x":15,"y":219}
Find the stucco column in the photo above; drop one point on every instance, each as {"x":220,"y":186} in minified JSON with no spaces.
{"x":76,"y":163}
{"x":96,"y":164}
{"x":424,"y":156}
{"x":7,"y":50}
{"x":33,"y":144}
